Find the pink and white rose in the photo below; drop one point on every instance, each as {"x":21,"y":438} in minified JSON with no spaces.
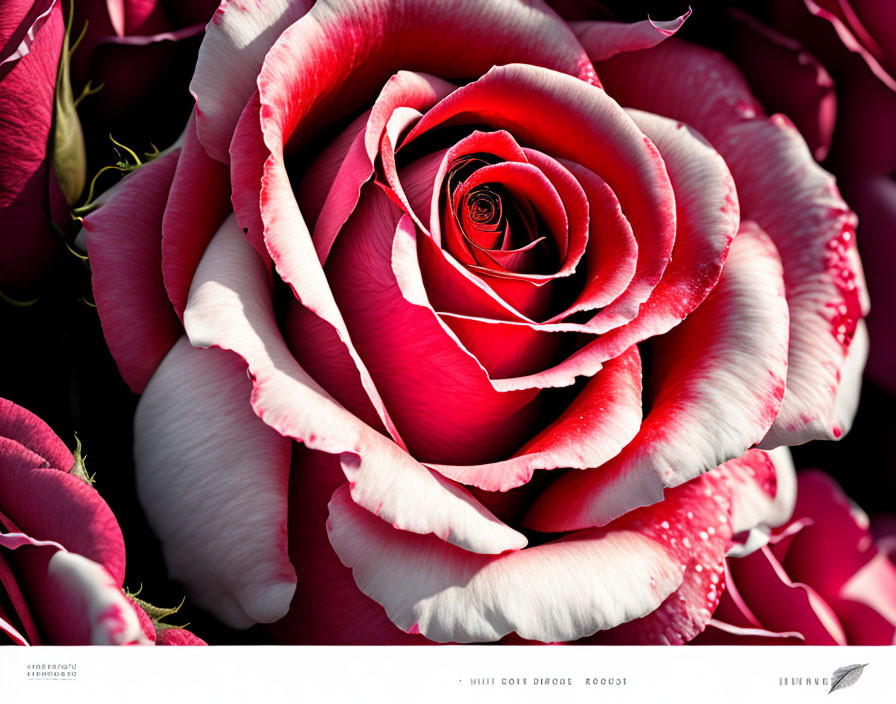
{"x":442,"y":311}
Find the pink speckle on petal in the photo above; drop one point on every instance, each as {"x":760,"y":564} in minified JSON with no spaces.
{"x":113,"y":621}
{"x":845,"y":312}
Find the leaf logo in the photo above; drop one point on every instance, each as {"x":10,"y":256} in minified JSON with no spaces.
{"x":844,"y":677}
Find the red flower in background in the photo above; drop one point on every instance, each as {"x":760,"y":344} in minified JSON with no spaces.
{"x":31,"y":36}
{"x":802,"y":57}
{"x":62,"y":556}
{"x":138,"y":56}
{"x":821,"y":580}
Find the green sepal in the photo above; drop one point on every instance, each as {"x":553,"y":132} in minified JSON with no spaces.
{"x":67,"y":142}
{"x":156,"y":614}
{"x":79,"y":468}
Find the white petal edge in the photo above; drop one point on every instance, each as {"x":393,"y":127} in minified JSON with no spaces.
{"x":212,"y":479}
{"x":554,"y":592}
{"x":230,"y":307}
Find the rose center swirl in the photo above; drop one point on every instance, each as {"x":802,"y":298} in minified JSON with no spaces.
{"x":497,"y":230}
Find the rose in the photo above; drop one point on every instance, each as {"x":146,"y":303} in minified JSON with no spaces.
{"x":129,"y":53}
{"x":62,"y":554}
{"x":801,"y":55}
{"x":30,"y":45}
{"x":425,"y":371}
{"x":821,"y":581}
{"x":142,"y":53}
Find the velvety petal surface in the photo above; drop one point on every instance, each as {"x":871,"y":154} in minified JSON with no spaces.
{"x":76,"y":599}
{"x":124,"y":244}
{"x":236,"y":42}
{"x":443,"y":403}
{"x":693,"y":524}
{"x":798,"y":204}
{"x":230,"y":307}
{"x":328,"y":608}
{"x":627,"y":160}
{"x":212,"y":479}
{"x":598,"y":423}
{"x":25,"y":428}
{"x":719,"y":388}
{"x":787,"y":79}
{"x":27,"y":83}
{"x":542,"y":593}
{"x":779,"y":186}
{"x":49,"y":504}
{"x":604,"y":40}
{"x":196,"y":206}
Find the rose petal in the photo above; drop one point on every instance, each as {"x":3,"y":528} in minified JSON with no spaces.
{"x":230,"y":307}
{"x":797,"y":203}
{"x":781,"y":604}
{"x":838,"y":531}
{"x":26,"y":182}
{"x":704,"y":232}
{"x":503,"y":98}
{"x":786,"y":78}
{"x":316,"y":347}
{"x":85,"y":590}
{"x":14,"y":596}
{"x":328,"y":607}
{"x":212,"y":479}
{"x":236,"y":42}
{"x":403,"y":90}
{"x":721,"y":633}
{"x":855,"y":37}
{"x":719,"y":388}
{"x":535,"y":35}
{"x":443,"y":403}
{"x":864,"y":158}
{"x":701,"y":181}
{"x":123,"y":242}
{"x":598,"y":423}
{"x":21,"y":23}
{"x":780,"y":187}
{"x":50,"y":504}
{"x":612,"y":254}
{"x":762,"y":499}
{"x":78,"y":602}
{"x":196,"y":206}
{"x":178,"y":636}
{"x":868,"y":609}
{"x":603,"y":40}
{"x":693,"y":524}
{"x":543,"y":593}
{"x":685,"y":82}
{"x":34,"y":434}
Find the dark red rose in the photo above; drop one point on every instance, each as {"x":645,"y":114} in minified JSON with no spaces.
{"x":62,"y":556}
